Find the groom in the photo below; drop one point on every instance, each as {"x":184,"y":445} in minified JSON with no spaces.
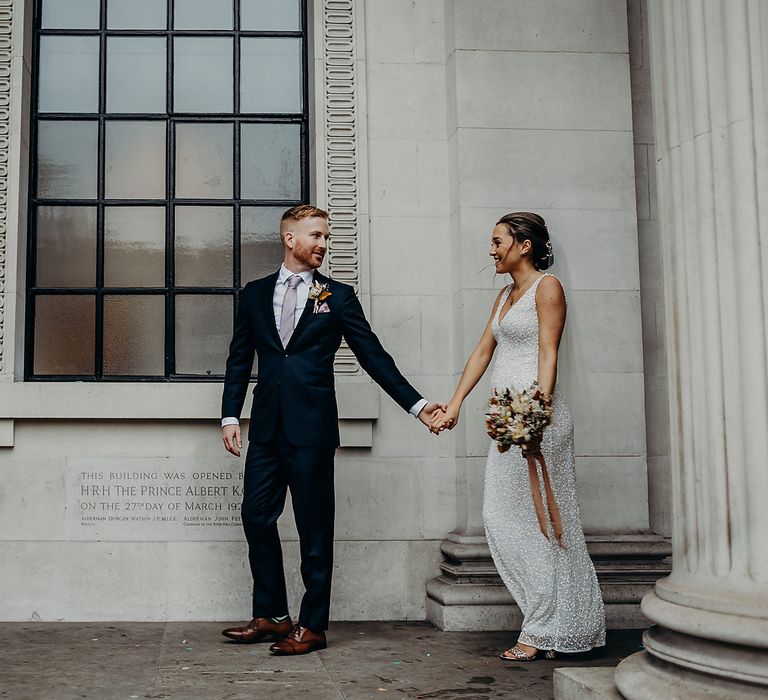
{"x":294,"y":320}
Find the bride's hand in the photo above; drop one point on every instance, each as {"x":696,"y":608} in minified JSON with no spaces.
{"x":532,"y":448}
{"x":447,"y":419}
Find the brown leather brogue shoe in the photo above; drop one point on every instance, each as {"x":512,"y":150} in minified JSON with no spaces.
{"x":260,"y":629}
{"x":301,"y":640}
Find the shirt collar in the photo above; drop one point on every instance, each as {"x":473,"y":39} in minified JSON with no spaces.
{"x":306,"y":276}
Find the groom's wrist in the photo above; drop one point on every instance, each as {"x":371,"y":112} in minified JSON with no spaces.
{"x":418,"y":407}
{"x":230,"y":420}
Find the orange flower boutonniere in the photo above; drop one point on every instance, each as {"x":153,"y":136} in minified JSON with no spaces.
{"x":318,"y":293}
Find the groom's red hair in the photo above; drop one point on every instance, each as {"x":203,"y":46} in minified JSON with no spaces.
{"x":299,"y":212}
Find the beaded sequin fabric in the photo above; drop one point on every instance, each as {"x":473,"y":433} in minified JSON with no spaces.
{"x":555,"y":587}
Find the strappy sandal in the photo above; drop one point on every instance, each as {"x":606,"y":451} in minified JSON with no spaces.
{"x":517,"y":654}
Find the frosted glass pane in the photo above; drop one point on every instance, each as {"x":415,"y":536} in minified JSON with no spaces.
{"x":134,"y":246}
{"x":136,"y":70}
{"x":194,"y":14}
{"x":203,"y":78}
{"x":270,"y":161}
{"x":66,"y":247}
{"x":261,"y":250}
{"x":64,"y":334}
{"x":203,"y":332}
{"x":135,"y":160}
{"x":70,"y":14}
{"x":203,"y":246}
{"x":269,"y":15}
{"x":270,"y":75}
{"x":137,"y":14}
{"x":134,"y":335}
{"x":67,"y":159}
{"x":204,"y":161}
{"x":69,"y":74}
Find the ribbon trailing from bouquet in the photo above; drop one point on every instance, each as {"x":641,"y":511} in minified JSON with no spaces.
{"x":538,"y":501}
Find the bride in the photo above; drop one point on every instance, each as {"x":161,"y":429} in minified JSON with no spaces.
{"x":531,"y":515}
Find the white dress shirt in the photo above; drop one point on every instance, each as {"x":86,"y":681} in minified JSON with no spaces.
{"x":302,"y":294}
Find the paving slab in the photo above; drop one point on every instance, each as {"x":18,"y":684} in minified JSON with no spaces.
{"x":192,"y":661}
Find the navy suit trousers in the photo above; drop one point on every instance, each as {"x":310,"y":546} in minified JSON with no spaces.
{"x":271,"y":468}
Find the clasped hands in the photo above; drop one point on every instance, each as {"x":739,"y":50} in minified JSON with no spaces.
{"x":439,"y":416}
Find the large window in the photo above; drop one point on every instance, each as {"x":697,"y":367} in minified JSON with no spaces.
{"x":167,"y":138}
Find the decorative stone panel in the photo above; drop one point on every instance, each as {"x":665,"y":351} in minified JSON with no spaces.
{"x":6,"y":26}
{"x":340,"y":121}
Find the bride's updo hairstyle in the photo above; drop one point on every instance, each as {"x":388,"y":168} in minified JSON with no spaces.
{"x":526,"y":226}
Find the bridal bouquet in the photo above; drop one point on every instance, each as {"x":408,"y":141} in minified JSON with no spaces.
{"x":517,"y":418}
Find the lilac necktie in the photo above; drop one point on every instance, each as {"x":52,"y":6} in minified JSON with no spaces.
{"x":288,"y":313}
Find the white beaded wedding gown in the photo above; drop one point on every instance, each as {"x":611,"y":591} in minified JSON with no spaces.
{"x":555,"y":587}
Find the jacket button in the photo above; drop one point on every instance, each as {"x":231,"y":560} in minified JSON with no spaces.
{"x":286,"y":354}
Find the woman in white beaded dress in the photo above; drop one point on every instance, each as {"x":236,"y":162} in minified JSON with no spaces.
{"x":531,"y":514}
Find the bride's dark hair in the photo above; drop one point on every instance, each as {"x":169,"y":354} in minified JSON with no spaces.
{"x":526,"y":226}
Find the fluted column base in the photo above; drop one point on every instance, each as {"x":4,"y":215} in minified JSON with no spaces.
{"x":646,"y":677}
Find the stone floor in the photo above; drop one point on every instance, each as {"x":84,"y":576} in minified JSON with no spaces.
{"x":191,"y":661}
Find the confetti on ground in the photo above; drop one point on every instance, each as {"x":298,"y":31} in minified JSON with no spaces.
{"x":185,"y":668}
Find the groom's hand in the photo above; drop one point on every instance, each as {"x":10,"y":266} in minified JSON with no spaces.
{"x":426,"y":413}
{"x":233,"y":440}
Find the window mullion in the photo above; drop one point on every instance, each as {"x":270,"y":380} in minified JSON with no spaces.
{"x":170,"y":167}
{"x":100,"y":180}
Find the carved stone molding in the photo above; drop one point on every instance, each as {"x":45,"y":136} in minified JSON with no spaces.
{"x":6,"y":26}
{"x":340,"y":123}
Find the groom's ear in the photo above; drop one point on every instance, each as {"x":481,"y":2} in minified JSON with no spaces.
{"x":288,"y":241}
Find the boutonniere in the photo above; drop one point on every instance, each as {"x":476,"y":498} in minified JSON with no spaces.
{"x":318,"y":293}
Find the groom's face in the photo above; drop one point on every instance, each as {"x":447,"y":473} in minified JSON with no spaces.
{"x":306,"y":241}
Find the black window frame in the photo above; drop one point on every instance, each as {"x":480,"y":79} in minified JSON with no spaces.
{"x":171,"y":118}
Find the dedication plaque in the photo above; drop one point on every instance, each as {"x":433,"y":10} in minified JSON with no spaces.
{"x":154,"y":499}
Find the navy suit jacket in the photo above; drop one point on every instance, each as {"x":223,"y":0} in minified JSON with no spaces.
{"x":296,"y":383}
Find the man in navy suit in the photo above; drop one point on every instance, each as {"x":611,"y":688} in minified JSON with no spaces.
{"x":294,"y":320}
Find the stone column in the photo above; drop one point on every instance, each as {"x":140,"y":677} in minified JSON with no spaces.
{"x":710,"y":73}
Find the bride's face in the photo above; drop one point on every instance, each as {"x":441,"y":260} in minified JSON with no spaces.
{"x":504,"y":249}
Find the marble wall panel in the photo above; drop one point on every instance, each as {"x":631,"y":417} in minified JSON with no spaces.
{"x":406,"y":101}
{"x":604,"y":330}
{"x":532,"y":25}
{"x":613,"y":493}
{"x":528,"y":90}
{"x":608,"y":411}
{"x":393,"y":178}
{"x":83,"y":580}
{"x":417,"y":33}
{"x":410,"y":255}
{"x":397,"y":321}
{"x":398,"y":434}
{"x":546,"y":169}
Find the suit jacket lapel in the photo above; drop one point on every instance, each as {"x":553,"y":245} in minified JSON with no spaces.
{"x":267,"y":296}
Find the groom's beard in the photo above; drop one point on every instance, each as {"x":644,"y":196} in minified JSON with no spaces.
{"x":307,"y":256}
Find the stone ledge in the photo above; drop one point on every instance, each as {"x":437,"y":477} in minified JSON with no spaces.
{"x":591,"y":683}
{"x":357,"y":400}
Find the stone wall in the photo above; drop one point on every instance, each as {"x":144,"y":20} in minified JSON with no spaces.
{"x":463,"y":110}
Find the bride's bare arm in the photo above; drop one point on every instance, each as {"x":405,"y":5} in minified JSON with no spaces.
{"x":474,"y":369}
{"x":550,"y":307}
